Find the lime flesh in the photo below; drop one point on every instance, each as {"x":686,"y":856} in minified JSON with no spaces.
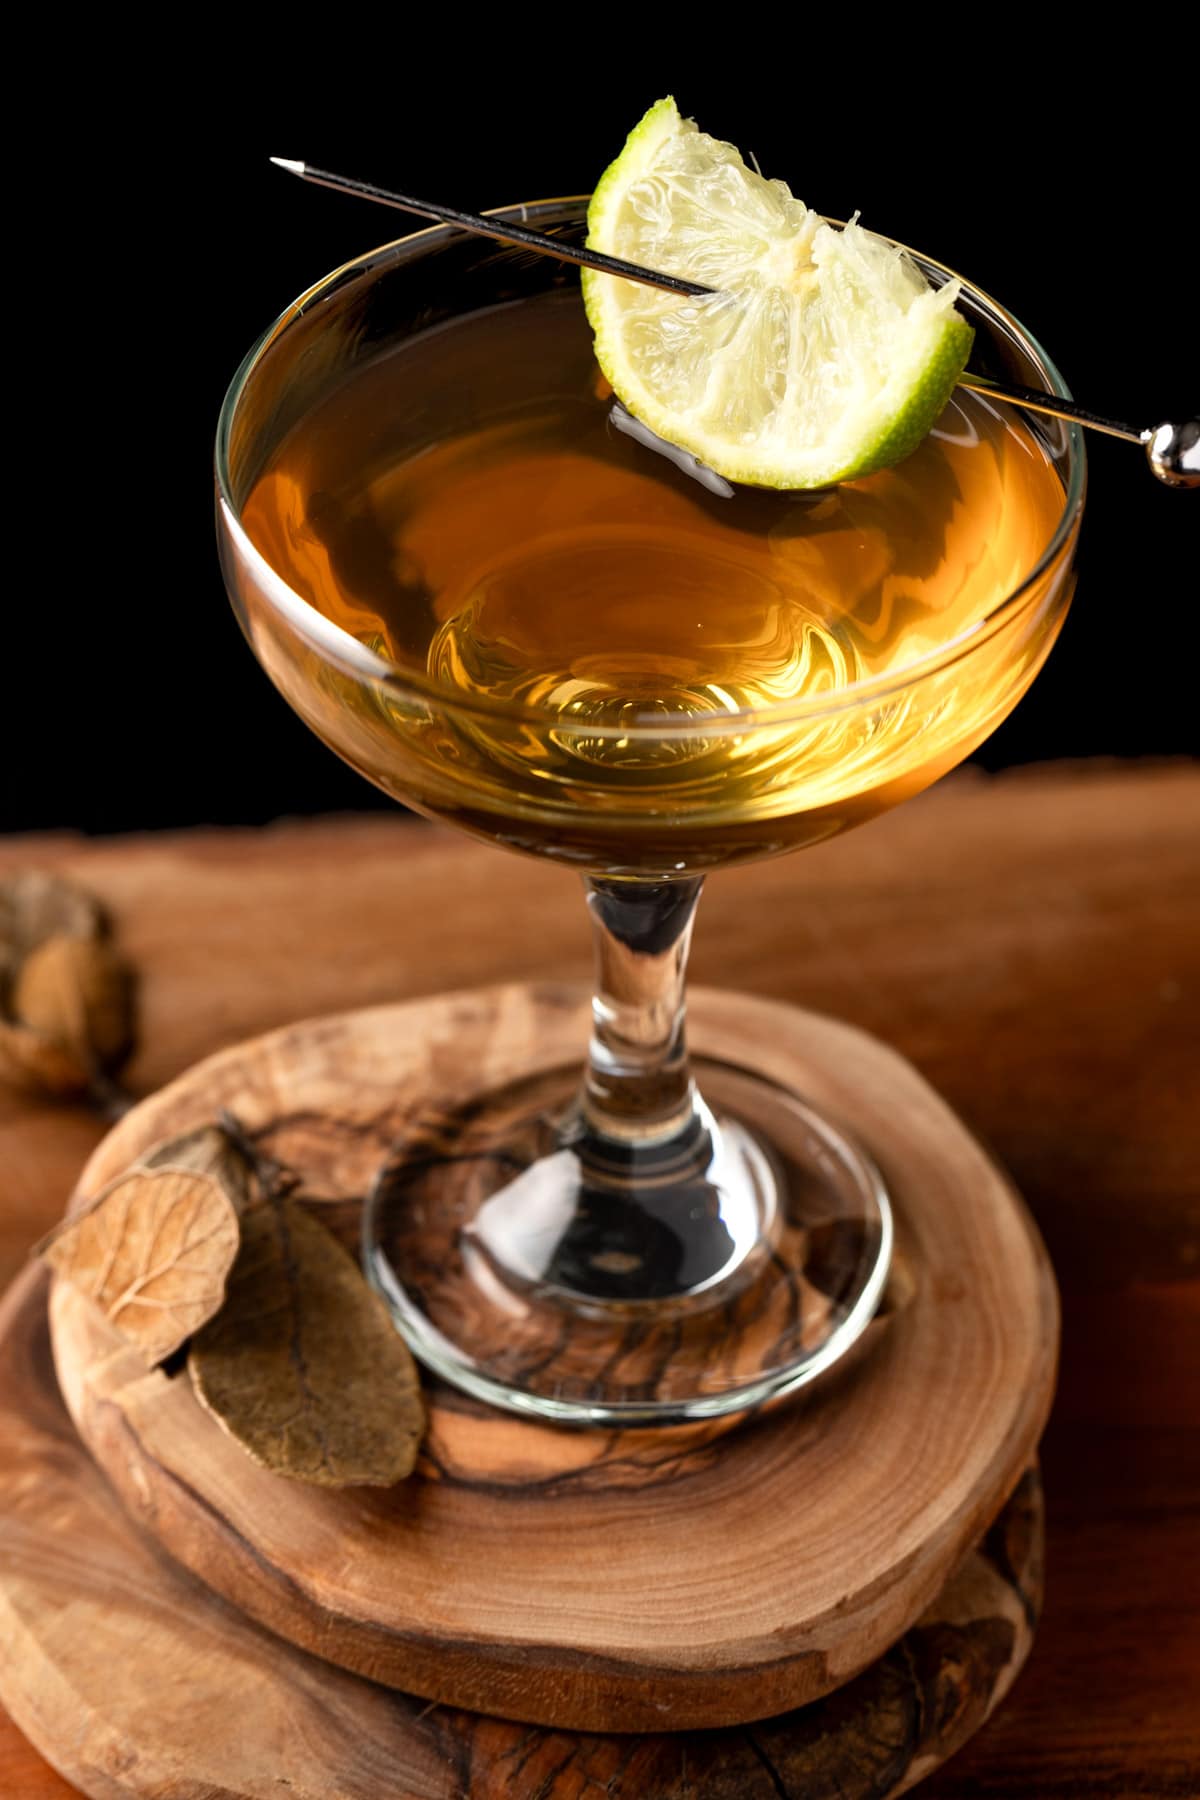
{"x":823,"y":355}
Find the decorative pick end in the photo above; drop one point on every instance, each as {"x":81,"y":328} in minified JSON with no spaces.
{"x":1173,"y":452}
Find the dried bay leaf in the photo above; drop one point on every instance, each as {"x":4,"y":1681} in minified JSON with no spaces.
{"x":303,"y":1366}
{"x":153,"y":1250}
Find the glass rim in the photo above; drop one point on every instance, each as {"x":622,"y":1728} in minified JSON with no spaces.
{"x":356,"y":659}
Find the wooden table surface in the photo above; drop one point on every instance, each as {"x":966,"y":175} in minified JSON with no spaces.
{"x":1031,"y":942}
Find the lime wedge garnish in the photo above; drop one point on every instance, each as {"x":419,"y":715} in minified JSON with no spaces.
{"x":825,"y":353}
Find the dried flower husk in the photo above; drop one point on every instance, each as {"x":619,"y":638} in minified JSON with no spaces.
{"x":66,"y":997}
{"x":78,"y":993}
{"x":35,"y":905}
{"x":154,"y":1249}
{"x":303,"y":1366}
{"x":37,"y":1064}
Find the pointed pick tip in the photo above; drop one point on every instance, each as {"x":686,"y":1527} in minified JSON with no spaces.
{"x":283,"y":162}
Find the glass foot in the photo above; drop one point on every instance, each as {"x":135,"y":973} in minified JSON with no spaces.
{"x":569,"y":1276}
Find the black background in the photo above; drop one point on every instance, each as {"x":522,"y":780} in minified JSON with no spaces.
{"x":162,"y":242}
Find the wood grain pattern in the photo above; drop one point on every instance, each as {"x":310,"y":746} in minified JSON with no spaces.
{"x":129,"y":1673}
{"x":728,"y":1583}
{"x":1030,"y":941}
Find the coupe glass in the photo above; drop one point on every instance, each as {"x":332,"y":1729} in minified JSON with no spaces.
{"x":644,"y":1240}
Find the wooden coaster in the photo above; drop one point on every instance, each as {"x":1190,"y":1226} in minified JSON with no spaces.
{"x":604,"y":1581}
{"x":135,"y":1680}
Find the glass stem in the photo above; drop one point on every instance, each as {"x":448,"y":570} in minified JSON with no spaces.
{"x":638,"y":1088}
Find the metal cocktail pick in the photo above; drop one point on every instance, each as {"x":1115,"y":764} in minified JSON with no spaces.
{"x":1173,"y":451}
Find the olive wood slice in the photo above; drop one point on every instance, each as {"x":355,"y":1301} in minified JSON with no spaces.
{"x":133,"y":1679}
{"x":603,"y":1581}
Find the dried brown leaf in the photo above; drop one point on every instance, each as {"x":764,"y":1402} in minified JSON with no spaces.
{"x":303,"y":1365}
{"x":209,"y":1150}
{"x":152,"y":1251}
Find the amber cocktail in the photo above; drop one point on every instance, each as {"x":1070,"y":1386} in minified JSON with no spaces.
{"x":505,"y":602}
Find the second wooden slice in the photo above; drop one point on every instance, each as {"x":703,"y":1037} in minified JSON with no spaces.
{"x":603,"y":1581}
